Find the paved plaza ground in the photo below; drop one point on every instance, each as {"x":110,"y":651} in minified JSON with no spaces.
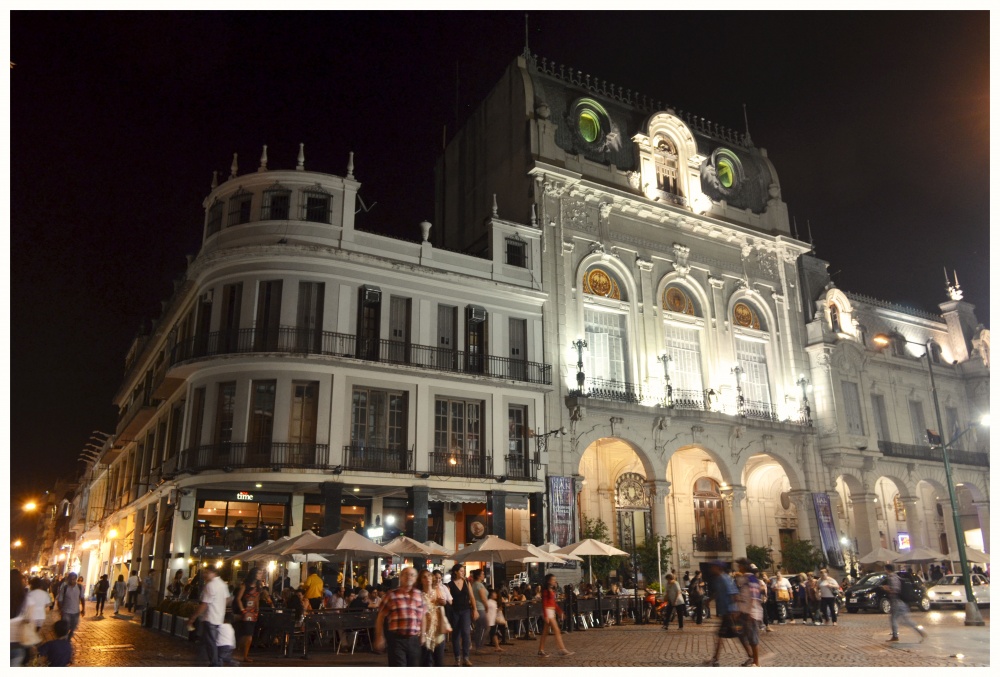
{"x":858,"y":640}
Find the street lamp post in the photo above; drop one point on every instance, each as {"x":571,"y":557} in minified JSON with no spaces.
{"x":972,"y":615}
{"x":666,"y":360}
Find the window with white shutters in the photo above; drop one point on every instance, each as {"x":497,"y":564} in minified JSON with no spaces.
{"x":752,"y":358}
{"x":880,"y":417}
{"x":684,"y":349}
{"x":607,"y":341}
{"x":918,"y":422}
{"x":852,"y":407}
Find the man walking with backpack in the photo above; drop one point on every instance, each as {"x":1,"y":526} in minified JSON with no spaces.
{"x":72,"y":602}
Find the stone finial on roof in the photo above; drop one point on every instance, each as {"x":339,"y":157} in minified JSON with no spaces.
{"x":302,"y":158}
{"x":954,"y":290}
{"x":233,"y":168}
{"x":215,"y":179}
{"x":263,"y":160}
{"x":350,"y":165}
{"x":534,"y":215}
{"x":494,"y":205}
{"x":425,"y":230}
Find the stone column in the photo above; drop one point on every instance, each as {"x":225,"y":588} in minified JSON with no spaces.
{"x":137,"y":538}
{"x":806,"y":527}
{"x":983,"y":508}
{"x":865,"y":523}
{"x":659,"y":490}
{"x":418,"y":500}
{"x":914,"y":523}
{"x":496,"y":502}
{"x":332,"y":492}
{"x":536,"y":510}
{"x":735,"y":495}
{"x":949,"y":529}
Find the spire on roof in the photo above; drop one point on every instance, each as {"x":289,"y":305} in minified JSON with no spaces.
{"x":263,"y":160}
{"x":215,"y":180}
{"x":954,"y":290}
{"x":350,"y":165}
{"x":302,"y":158}
{"x":233,"y":168}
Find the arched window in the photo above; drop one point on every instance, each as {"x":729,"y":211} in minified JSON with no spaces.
{"x":709,"y":516}
{"x":665,"y":159}
{"x":606,"y":329}
{"x":751,"y":355}
{"x":682,"y":329}
{"x":835,"y":318}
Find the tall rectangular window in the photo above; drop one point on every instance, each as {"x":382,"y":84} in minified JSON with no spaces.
{"x":475,"y":339}
{"x":229,"y":331}
{"x":852,"y":408}
{"x":268,"y":322}
{"x":224,"y":410}
{"x":378,"y":418}
{"x":369,"y":322}
{"x":305,"y":406}
{"x":607,"y":341}
{"x":517,"y":252}
{"x":952,"y":424}
{"x":197,"y":417}
{"x":447,"y":323}
{"x":214,"y":218}
{"x":261,"y":430}
{"x":684,"y":349}
{"x":752,"y":358}
{"x":239,"y":208}
{"x":309,"y":317}
{"x":517,"y":435}
{"x":317,"y":207}
{"x":458,"y":427}
{"x":880,"y":417}
{"x":399,"y":330}
{"x":918,"y":422}
{"x":518,"y":339}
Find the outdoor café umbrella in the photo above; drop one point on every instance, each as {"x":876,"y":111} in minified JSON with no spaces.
{"x":590,"y":547}
{"x":283,"y":550}
{"x":246,"y":554}
{"x":920,"y":555}
{"x":496,"y":548}
{"x":976,"y":556}
{"x":540,"y":556}
{"x":437,"y":550}
{"x":347,"y":543}
{"x":404,"y":546}
{"x":879,"y":555}
{"x":552,"y":547}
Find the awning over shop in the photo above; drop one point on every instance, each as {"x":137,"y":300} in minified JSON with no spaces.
{"x":456,"y":496}
{"x":517,"y":501}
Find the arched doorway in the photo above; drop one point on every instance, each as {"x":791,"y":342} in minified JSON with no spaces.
{"x":699,"y":508}
{"x":632,"y":503}
{"x":615,"y":491}
{"x":771,"y":517}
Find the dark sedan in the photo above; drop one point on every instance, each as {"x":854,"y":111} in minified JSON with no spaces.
{"x":868,"y":593}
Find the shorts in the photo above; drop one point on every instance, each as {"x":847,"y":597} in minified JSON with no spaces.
{"x":550,"y":614}
{"x":245,"y":628}
{"x":750,"y":634}
{"x":728,"y":628}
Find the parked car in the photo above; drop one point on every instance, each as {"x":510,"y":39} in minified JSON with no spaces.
{"x":951,"y":590}
{"x":868,"y":593}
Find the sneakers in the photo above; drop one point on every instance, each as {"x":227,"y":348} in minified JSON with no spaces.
{"x":566,"y":652}
{"x":543,"y":654}
{"x":893,"y":639}
{"x":467,"y":663}
{"x":747,"y":663}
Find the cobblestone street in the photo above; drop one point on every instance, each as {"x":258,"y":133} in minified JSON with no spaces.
{"x":858,"y":640}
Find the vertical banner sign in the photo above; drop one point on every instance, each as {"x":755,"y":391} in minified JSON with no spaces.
{"x":828,"y":530}
{"x":561,"y":505}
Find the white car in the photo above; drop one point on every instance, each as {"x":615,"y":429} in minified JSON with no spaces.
{"x":951,"y":590}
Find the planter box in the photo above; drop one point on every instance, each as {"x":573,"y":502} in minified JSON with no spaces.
{"x":167,"y":623}
{"x":152,"y":619}
{"x":180,"y":627}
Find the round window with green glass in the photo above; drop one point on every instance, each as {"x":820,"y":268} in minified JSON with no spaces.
{"x":590,"y":126}
{"x":724,"y":170}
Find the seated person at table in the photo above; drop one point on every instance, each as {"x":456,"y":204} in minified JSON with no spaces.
{"x":516,"y":595}
{"x":338,"y":601}
{"x":361,"y":601}
{"x":536,"y":593}
{"x":297,"y":603}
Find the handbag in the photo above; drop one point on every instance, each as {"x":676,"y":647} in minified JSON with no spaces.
{"x":29,"y":636}
{"x":444,"y":624}
{"x":781,"y":594}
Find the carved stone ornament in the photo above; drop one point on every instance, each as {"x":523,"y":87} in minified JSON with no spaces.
{"x":634,"y":179}
{"x":630,"y":491}
{"x":643,"y":265}
{"x":606,"y":209}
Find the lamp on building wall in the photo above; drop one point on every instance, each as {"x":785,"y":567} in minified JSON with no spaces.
{"x":185,"y":514}
{"x":666,"y":359}
{"x":581,"y":378}
{"x":737,"y":371}
{"x":972,"y":615}
{"x":806,"y":412}
{"x":542,"y":439}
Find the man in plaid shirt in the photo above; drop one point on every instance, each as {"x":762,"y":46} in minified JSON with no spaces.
{"x":404,"y":608}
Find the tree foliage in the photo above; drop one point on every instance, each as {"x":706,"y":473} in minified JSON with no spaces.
{"x":760,"y":556}
{"x":646,"y":554}
{"x":800,"y":556}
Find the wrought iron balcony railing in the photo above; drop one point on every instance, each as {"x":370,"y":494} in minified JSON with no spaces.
{"x":706,"y":543}
{"x":518,"y":466}
{"x":923,"y":453}
{"x":297,"y":340}
{"x":376,"y":459}
{"x":614,"y":391}
{"x":231,"y":456}
{"x":461,"y":465}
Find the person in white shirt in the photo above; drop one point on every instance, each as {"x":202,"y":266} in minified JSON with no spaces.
{"x":38,"y":600}
{"x":132,"y":585}
{"x":212,"y":610}
{"x":782,"y":596}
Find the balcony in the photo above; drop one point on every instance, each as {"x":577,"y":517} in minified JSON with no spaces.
{"x":615,"y":391}
{"x":520,"y":467}
{"x":244,"y":455}
{"x":461,"y":465}
{"x":298,"y":341}
{"x":900,"y":450}
{"x":375,"y":459}
{"x":139,"y":412}
{"x":705,"y":543}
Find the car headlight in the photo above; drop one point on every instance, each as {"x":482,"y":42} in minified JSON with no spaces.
{"x":870,"y":594}
{"x":956,"y":593}
{"x":930,"y":593}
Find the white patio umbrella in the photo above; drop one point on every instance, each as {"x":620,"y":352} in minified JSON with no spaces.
{"x":920,"y":555}
{"x":246,"y":554}
{"x":437,"y":550}
{"x":976,"y":556}
{"x":590,"y":547}
{"x":540,"y":556}
{"x":496,"y":548}
{"x":347,"y":543}
{"x":404,"y":546}
{"x":879,"y":555}
{"x":284,"y":550}
{"x":552,"y":547}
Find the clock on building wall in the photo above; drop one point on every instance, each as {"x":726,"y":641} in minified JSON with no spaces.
{"x":476,"y":527}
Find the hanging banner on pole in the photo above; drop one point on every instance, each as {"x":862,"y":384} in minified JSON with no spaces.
{"x":561,"y":508}
{"x":828,"y":530}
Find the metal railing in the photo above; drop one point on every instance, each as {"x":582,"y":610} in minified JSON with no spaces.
{"x":144,"y":400}
{"x":297,"y":340}
{"x":762,"y":411}
{"x":923,"y":453}
{"x":241,"y":455}
{"x":615,"y":391}
{"x":377,"y":459}
{"x":710,"y":543}
{"x":461,"y":465}
{"x":519,"y":466}
{"x":688,"y":399}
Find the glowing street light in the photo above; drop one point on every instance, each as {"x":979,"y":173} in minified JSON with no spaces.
{"x":30,"y":506}
{"x":16,"y":544}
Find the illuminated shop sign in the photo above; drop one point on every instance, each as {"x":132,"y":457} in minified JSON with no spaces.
{"x":244,"y":496}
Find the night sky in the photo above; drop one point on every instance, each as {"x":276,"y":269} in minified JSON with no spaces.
{"x":877,"y":124}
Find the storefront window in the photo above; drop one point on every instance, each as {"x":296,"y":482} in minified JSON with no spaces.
{"x":223,"y":526}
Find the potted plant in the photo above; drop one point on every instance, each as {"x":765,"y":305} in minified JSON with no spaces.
{"x":167,"y":610}
{"x":184,"y":611}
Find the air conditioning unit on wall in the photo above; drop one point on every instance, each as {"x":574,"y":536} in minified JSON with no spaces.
{"x":452,"y":507}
